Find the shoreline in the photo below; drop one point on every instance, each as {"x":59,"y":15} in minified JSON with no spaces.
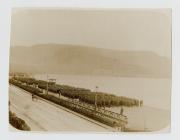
{"x":122,"y":89}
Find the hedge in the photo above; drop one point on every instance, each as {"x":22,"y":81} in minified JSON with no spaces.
{"x":84,"y":95}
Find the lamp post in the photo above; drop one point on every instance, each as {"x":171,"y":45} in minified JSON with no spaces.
{"x":47,"y":85}
{"x":144,"y":123}
{"x":59,"y":94}
{"x":96,"y":88}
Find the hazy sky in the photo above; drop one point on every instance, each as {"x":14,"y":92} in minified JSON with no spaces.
{"x":116,"y":29}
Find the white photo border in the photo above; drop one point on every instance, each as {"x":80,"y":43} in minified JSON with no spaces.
{"x":5,"y":19}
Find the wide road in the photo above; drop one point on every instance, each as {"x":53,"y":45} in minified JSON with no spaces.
{"x":43,"y":116}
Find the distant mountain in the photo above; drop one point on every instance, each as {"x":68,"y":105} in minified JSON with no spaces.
{"x":71,"y":59}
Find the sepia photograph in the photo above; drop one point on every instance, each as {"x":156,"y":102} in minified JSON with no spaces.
{"x":90,"y":70}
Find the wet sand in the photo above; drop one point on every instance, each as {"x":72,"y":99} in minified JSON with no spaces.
{"x":146,"y":118}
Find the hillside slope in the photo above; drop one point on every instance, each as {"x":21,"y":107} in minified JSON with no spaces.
{"x":70,"y":59}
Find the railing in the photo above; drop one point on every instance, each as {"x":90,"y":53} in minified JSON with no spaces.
{"x":103,"y":112}
{"x":112,"y":118}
